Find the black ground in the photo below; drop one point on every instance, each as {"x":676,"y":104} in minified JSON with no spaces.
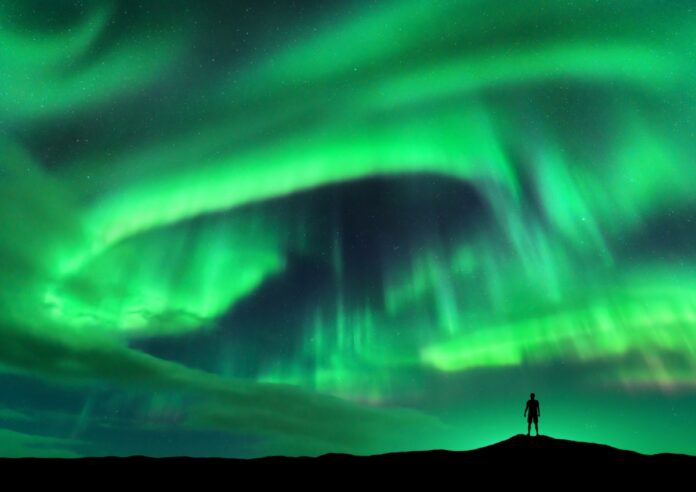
{"x":529,"y":460}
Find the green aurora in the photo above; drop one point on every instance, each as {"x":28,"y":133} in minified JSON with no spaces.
{"x":243,"y":228}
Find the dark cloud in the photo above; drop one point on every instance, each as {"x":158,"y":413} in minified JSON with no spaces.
{"x":235,"y":405}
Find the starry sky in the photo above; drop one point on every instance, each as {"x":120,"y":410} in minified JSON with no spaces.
{"x":262,"y":227}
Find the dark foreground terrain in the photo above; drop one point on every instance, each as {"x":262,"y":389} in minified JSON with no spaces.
{"x":519,"y":458}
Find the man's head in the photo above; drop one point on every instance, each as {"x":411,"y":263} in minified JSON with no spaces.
{"x":532,"y":396}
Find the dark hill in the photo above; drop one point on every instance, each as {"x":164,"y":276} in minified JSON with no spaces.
{"x":519,"y":456}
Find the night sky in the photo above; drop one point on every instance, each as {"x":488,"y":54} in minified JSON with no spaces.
{"x":264,"y":227}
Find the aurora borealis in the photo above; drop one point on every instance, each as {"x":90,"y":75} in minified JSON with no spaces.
{"x":265,"y":227}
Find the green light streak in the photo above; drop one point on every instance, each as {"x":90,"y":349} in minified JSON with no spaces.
{"x":653,"y":319}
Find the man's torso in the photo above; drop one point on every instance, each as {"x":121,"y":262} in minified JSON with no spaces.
{"x":533,"y":406}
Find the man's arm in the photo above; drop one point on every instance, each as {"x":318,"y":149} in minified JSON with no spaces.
{"x":538,"y":410}
{"x":525,"y":409}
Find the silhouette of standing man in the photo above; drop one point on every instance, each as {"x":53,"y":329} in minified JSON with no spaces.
{"x":534,"y":414}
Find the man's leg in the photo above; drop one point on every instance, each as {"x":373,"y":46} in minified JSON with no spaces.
{"x":536,"y":426}
{"x":529,"y":426}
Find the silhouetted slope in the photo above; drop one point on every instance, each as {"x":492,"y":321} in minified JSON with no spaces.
{"x":552,"y":457}
{"x":524,"y":449}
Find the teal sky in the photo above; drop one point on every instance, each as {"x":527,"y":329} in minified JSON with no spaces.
{"x":257,"y":228}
